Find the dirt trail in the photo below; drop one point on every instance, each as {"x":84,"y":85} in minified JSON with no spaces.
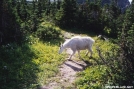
{"x":66,"y":77}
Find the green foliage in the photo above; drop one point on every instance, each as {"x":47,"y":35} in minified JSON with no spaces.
{"x":126,"y":56}
{"x":101,"y":71}
{"x":22,"y":10}
{"x":107,"y":30}
{"x":93,"y":77}
{"x":66,"y":15}
{"x":109,"y":16}
{"x":46,"y":31}
{"x":131,"y":35}
{"x":47,"y":59}
{"x":129,"y":15}
{"x":90,"y":16}
{"x":17,"y":70}
{"x":10,"y":23}
{"x":29,"y":65}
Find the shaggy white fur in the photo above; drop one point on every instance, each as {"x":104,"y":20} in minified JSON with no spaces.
{"x":78,"y":43}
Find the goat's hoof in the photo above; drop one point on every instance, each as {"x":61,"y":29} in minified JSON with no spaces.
{"x":69,"y":59}
{"x":80,"y":57}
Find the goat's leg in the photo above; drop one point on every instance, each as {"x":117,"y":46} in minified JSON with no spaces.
{"x":87,"y":52}
{"x":91,"y":52}
{"x":79,"y":53}
{"x":72,"y":54}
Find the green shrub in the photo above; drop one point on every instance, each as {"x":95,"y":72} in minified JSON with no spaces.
{"x":48,"y":33}
{"x":92,"y":78}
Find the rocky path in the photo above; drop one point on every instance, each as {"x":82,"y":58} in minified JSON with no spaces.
{"x":66,"y":77}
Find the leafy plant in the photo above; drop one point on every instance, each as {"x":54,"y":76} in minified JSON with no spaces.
{"x":92,"y":78}
{"x":48,"y":32}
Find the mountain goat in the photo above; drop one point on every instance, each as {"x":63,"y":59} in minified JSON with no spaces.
{"x":78,"y":43}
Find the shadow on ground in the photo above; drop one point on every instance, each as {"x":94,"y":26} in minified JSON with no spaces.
{"x":81,"y":65}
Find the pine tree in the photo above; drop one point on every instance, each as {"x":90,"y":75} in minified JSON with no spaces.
{"x":23,"y":10}
{"x":127,"y":49}
{"x":90,"y":13}
{"x":1,"y":13}
{"x":10,"y":27}
{"x":34,"y":15}
{"x":66,"y":16}
{"x":39,"y":6}
{"x":58,"y":4}
{"x":129,"y":17}
{"x":110,"y":14}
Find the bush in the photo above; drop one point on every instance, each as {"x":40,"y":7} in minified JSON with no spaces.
{"x":92,"y":78}
{"x":48,"y":33}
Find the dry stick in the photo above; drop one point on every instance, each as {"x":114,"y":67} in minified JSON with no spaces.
{"x":101,"y":55}
{"x":106,"y":63}
{"x":102,"y":58}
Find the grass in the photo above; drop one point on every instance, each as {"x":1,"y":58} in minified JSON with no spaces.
{"x":48,"y":60}
{"x":29,"y":65}
{"x":92,"y":78}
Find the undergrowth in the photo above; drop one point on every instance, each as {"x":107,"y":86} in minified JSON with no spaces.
{"x":48,"y":31}
{"x":97,"y":74}
{"x":29,"y":65}
{"x":92,"y":78}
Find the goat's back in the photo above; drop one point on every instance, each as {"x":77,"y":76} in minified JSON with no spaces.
{"x":81,"y":43}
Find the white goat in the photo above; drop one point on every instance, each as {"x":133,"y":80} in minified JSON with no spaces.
{"x":78,"y":43}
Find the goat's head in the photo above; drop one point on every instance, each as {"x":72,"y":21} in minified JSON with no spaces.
{"x":61,"y":49}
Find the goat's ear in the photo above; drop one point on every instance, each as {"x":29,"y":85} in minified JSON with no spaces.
{"x":99,"y":36}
